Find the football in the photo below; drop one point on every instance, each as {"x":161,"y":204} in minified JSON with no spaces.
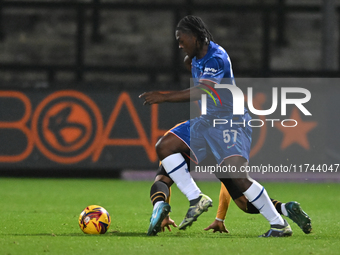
{"x":94,"y":219}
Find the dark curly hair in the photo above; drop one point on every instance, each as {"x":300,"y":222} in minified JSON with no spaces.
{"x":196,"y":26}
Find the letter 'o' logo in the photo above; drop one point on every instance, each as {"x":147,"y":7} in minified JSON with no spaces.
{"x":67,"y":125}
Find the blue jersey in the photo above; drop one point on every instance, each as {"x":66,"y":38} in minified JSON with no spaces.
{"x":201,"y":137}
{"x":214,"y":67}
{"x":199,"y":134}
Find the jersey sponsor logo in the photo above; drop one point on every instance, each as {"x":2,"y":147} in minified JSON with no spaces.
{"x":209,"y":71}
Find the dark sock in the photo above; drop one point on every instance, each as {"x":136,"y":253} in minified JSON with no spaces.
{"x":253,"y":210}
{"x":277,"y":205}
{"x":194,"y":201}
{"x":159,"y":192}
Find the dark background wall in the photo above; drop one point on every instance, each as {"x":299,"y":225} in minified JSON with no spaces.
{"x":78,"y":56}
{"x":124,"y":43}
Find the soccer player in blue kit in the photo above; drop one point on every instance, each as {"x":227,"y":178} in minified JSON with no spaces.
{"x":230,"y":144}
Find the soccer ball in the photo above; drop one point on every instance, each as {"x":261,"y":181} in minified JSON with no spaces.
{"x":94,"y":220}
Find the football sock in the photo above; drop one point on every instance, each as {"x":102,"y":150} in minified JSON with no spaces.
{"x":257,"y":195}
{"x":156,"y":204}
{"x":278,"y":206}
{"x":159,"y":192}
{"x":253,"y":210}
{"x":168,"y":198}
{"x":177,"y":169}
{"x":284,"y":210}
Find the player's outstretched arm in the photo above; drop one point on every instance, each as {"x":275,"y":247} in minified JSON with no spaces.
{"x":224,"y":201}
{"x":157,"y":97}
{"x":186,"y":95}
{"x":217,"y":226}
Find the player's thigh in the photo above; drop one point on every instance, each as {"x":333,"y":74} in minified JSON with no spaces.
{"x":176,"y":140}
{"x":190,"y":132}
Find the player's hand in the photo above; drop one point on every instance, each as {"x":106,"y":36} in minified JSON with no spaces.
{"x":167,"y":222}
{"x":217,"y":226}
{"x":153,"y":97}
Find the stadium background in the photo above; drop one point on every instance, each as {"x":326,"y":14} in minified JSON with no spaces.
{"x":86,"y":62}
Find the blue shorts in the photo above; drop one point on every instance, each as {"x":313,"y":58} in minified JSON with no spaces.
{"x":223,"y":140}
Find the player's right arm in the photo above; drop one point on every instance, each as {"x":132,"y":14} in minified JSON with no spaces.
{"x":224,"y":202}
{"x":157,"y":97}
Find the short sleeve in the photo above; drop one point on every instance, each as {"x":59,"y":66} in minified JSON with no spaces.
{"x":213,"y":70}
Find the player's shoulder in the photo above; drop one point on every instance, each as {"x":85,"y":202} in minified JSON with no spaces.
{"x":218,"y":56}
{"x":215,"y":62}
{"x":218,"y":50}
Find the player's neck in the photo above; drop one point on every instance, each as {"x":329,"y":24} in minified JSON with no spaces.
{"x":203,"y":51}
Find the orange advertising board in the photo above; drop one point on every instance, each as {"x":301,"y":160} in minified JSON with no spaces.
{"x":68,"y":126}
{"x":96,"y":129}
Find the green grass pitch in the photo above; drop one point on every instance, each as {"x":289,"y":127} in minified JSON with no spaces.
{"x":40,"y":216}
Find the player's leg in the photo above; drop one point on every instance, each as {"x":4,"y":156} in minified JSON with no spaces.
{"x":257,"y":195}
{"x":159,"y":194}
{"x":160,"y":189}
{"x":292,"y":210}
{"x":169,"y":150}
{"x":298,"y":215}
{"x":242,"y":202}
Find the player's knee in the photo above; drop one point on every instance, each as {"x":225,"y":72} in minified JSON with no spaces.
{"x":161,"y":148}
{"x":164,"y":147}
{"x":167,"y":180}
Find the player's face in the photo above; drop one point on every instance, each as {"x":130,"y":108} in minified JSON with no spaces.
{"x":187,"y":42}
